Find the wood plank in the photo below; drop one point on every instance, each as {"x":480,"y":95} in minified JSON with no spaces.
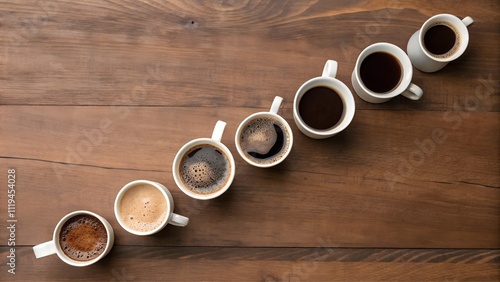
{"x":270,"y":208}
{"x":267,"y":264}
{"x":185,"y":53}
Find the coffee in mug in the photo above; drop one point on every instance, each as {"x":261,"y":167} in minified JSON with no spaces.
{"x":144,"y":207}
{"x":83,"y":237}
{"x":264,"y":139}
{"x":382,"y":72}
{"x":204,"y":168}
{"x":323,"y":106}
{"x":441,"y":39}
{"x":80,"y":238}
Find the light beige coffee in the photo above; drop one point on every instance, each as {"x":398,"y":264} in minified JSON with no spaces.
{"x":143,"y":208}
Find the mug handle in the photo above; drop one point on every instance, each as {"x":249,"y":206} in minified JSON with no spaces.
{"x":218,"y":130}
{"x":467,"y":21}
{"x":178,"y":220}
{"x":45,"y":249}
{"x":276,"y":105}
{"x":413,"y":92}
{"x":330,"y":69}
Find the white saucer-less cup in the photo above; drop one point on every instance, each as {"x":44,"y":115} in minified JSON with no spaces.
{"x":424,"y":60}
{"x":214,"y":141}
{"x":170,"y":216}
{"x":405,"y":86}
{"x":328,"y":80}
{"x":270,"y":116}
{"x":54,"y":246}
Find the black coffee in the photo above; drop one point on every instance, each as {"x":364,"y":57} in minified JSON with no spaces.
{"x":321,"y":107}
{"x":204,"y":169}
{"x":440,"y":39}
{"x":264,"y":140}
{"x":380,"y":72}
{"x":83,"y":237}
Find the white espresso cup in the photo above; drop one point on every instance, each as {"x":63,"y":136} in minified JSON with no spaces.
{"x":144,"y":207}
{"x":80,"y":238}
{"x":382,"y":72}
{"x":323,"y":106}
{"x":264,"y":139}
{"x":441,"y":39}
{"x":204,"y":168}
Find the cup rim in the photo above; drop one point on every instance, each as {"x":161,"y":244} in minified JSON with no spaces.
{"x":132,"y":184}
{"x":396,"y":52}
{"x":178,"y":158}
{"x":347,"y":99}
{"x":70,"y":261}
{"x":246,"y":121}
{"x":453,"y":21}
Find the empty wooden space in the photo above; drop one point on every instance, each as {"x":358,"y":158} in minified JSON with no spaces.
{"x":96,"y":94}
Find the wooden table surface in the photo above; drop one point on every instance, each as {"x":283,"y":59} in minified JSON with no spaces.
{"x":96,"y":94}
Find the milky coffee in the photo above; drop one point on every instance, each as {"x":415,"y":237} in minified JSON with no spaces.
{"x":265,"y":140}
{"x":83,"y":237}
{"x":143,"y":208}
{"x":204,"y":169}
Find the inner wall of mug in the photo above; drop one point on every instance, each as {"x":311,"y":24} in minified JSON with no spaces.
{"x":340,"y":89}
{"x":284,"y":151}
{"x":131,"y":185}
{"x":61,"y":253}
{"x":177,"y":163}
{"x":404,"y":63}
{"x":459,"y":27}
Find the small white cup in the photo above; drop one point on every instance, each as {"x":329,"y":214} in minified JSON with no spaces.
{"x":273,"y":117}
{"x":405,"y":86}
{"x":328,"y":80}
{"x":214,"y":141}
{"x":170,"y":216}
{"x":424,"y":60}
{"x":54,"y":247}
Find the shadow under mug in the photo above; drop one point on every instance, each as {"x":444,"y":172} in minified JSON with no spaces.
{"x":148,"y":201}
{"x":228,"y":171}
{"x":54,"y":246}
{"x":405,"y":87}
{"x":284,"y":139}
{"x":426,"y":61}
{"x":334,"y":87}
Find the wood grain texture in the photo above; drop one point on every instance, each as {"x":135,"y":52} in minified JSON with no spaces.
{"x":99,"y":93}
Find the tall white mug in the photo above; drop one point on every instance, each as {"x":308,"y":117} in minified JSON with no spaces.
{"x":419,"y":46}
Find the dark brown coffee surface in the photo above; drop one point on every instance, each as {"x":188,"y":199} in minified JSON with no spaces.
{"x":265,"y":140}
{"x":440,"y":39}
{"x":83,"y":237}
{"x":204,"y":169}
{"x":321,"y":107}
{"x":380,"y":72}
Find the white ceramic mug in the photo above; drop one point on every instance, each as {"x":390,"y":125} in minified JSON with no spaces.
{"x":405,"y":86}
{"x":327,"y":80}
{"x":162,"y":217}
{"x":54,"y":246}
{"x":424,"y":60}
{"x":265,"y":123}
{"x":213,"y":143}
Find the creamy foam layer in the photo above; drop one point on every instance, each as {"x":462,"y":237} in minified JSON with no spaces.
{"x":143,"y":208}
{"x":83,"y":237}
{"x":204,"y":169}
{"x":264,"y":140}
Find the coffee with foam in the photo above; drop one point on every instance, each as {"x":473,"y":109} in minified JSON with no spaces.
{"x":83,"y":237}
{"x":264,"y":140}
{"x":204,"y":169}
{"x":143,"y":208}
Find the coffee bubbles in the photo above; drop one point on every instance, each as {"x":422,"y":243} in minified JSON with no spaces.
{"x":204,"y":169}
{"x":83,"y":238}
{"x":264,"y":140}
